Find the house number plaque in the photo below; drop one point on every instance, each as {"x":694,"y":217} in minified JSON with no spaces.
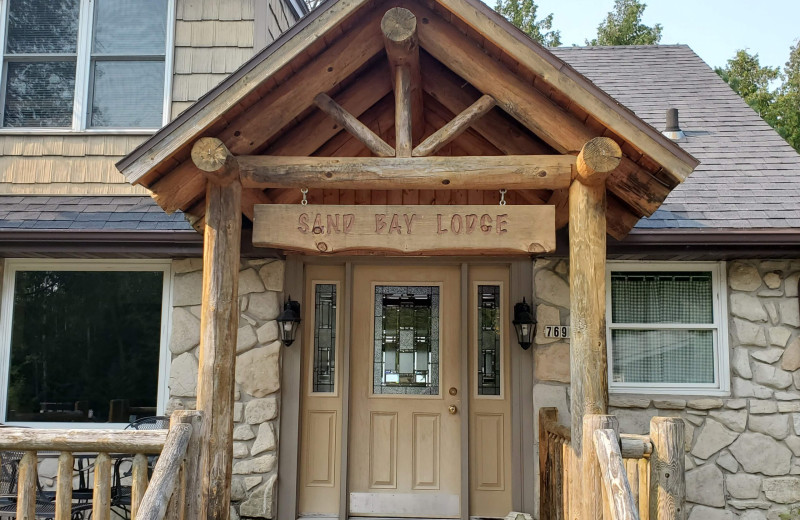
{"x":420,"y":230}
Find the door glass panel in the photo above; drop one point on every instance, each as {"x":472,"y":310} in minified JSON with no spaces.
{"x":489,"y":340}
{"x":324,"y":337}
{"x":406,"y":357}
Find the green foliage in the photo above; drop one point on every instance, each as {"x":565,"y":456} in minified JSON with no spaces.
{"x":787,"y":104}
{"x":751,"y":81}
{"x":523,"y":15}
{"x":779,"y":107}
{"x":623,"y":26}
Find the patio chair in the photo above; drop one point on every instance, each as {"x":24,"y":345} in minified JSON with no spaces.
{"x":121,"y":497}
{"x":45,"y":504}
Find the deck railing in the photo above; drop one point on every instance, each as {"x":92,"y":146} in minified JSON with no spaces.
{"x":642,"y":475}
{"x":554,"y":462}
{"x":163,"y":497}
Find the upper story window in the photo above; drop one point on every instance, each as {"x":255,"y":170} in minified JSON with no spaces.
{"x":666,"y":328}
{"x":85,"y":64}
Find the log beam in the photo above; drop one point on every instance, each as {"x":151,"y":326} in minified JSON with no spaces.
{"x":454,"y":128}
{"x":356,"y":128}
{"x":218,"y":327}
{"x":531,"y":107}
{"x":399,"y":27}
{"x":470,"y":172}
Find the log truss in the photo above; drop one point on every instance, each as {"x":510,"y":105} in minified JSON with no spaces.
{"x":400,"y":112}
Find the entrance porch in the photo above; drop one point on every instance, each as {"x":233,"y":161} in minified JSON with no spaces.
{"x":405,"y":127}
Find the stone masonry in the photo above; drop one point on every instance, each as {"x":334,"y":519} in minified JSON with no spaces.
{"x":258,"y":350}
{"x":742,"y":450}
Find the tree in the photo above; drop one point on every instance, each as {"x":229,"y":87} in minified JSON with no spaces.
{"x":787,"y":104}
{"x":751,"y":81}
{"x":623,"y":26}
{"x":523,"y":15}
{"x":779,"y":107}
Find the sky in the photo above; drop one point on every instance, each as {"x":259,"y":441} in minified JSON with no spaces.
{"x":715,"y":29}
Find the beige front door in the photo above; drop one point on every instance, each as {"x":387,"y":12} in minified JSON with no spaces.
{"x":405,"y":392}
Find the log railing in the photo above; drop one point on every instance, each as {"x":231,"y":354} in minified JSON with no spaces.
{"x":165,"y":496}
{"x":554,"y":463}
{"x":642,"y":475}
{"x":636,"y":450}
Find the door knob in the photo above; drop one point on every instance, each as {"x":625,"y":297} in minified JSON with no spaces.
{"x":452,"y":409}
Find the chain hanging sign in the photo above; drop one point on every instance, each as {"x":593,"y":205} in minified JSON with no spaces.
{"x":397,"y":230}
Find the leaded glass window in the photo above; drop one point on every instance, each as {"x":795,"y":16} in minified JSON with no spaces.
{"x":662,"y":327}
{"x":324,"y":337}
{"x":489,"y":340}
{"x":406,"y":357}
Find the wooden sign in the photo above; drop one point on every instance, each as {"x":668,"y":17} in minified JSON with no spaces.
{"x":417,"y":230}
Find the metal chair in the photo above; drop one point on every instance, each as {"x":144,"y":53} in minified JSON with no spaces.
{"x":45,"y":505}
{"x":121,"y":497}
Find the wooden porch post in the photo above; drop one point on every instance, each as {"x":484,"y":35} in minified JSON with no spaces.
{"x":218,"y":325}
{"x":587,"y":260}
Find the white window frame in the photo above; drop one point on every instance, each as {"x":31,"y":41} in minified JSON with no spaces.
{"x":82,"y":76}
{"x":721,"y":385}
{"x":6,"y":313}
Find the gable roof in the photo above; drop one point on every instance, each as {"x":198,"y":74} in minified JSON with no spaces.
{"x":748,"y":176}
{"x":262,"y":101}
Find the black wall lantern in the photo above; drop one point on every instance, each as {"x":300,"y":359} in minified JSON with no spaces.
{"x":524,"y":323}
{"x":288,"y":321}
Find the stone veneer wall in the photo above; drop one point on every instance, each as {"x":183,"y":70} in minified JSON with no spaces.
{"x":742,"y":451}
{"x":257,"y":394}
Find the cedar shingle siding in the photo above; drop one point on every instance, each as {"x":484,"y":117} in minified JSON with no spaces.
{"x":212,"y":39}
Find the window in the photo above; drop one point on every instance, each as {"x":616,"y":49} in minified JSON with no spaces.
{"x":325,"y":323}
{"x":83,"y":341}
{"x":666,"y":328}
{"x":406,"y":340}
{"x":85,"y":64}
{"x":490,"y":358}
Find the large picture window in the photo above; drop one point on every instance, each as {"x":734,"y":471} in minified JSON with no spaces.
{"x":85,"y":64}
{"x":83,"y":341}
{"x":666,"y":329}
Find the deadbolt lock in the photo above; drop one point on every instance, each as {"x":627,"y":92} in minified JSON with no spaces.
{"x":453,"y":390}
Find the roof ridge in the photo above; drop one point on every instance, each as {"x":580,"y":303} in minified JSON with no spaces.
{"x":619,"y":47}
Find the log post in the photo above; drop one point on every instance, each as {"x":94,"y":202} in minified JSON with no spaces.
{"x":667,"y":466}
{"x":587,"y":259}
{"x":219,"y":322}
{"x":399,"y":28}
{"x":190,"y":507}
{"x":26,"y":486}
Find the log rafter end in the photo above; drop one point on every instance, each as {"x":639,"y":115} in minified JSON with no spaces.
{"x":213,"y":158}
{"x":597,"y":158}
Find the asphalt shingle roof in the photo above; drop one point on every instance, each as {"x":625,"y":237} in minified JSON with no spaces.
{"x":748,"y":176}
{"x":87,"y":213}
